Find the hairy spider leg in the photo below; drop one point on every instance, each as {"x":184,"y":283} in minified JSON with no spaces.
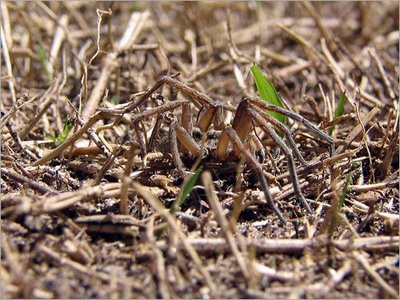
{"x":170,"y":106}
{"x":243,"y":125}
{"x":231,"y":134}
{"x":203,"y":99}
{"x":284,"y":129}
{"x":213,"y":110}
{"x":314,"y":129}
{"x":178,"y":133}
{"x":288,"y":153}
{"x":155,"y":133}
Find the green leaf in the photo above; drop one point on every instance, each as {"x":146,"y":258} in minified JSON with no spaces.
{"x":267,"y":91}
{"x":44,"y":61}
{"x":114,"y":100}
{"x":64,"y":134}
{"x":339,"y":110}
{"x":186,"y":189}
{"x":52,"y":138}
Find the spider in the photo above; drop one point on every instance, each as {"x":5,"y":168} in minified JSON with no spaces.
{"x":250,"y":113}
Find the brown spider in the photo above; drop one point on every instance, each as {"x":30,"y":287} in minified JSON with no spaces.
{"x":249,"y":113}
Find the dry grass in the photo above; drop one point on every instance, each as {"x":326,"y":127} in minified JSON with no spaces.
{"x":84,"y":215}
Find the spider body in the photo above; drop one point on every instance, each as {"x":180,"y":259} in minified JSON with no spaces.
{"x":249,"y":114}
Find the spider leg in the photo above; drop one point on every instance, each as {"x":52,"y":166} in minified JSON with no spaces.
{"x":257,"y":146}
{"x":178,"y":133}
{"x":231,"y":134}
{"x":222,"y":146}
{"x":155,"y":132}
{"x":242,"y":125}
{"x":140,"y":138}
{"x":219,"y":118}
{"x":202,"y":99}
{"x":175,"y":150}
{"x":213,"y":108}
{"x":207,"y":118}
{"x":284,"y":129}
{"x":186,"y":140}
{"x":266,"y":106}
{"x":170,"y":106}
{"x":186,"y":119}
{"x":289,"y":155}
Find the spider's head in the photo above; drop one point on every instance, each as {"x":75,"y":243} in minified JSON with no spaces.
{"x":243,"y":104}
{"x":245,"y":99}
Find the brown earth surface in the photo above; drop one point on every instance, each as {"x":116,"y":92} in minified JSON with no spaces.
{"x":89,"y":179}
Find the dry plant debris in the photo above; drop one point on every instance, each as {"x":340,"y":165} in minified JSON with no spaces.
{"x":112,"y":112}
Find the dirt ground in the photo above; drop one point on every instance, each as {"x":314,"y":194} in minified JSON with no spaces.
{"x":90,"y":168}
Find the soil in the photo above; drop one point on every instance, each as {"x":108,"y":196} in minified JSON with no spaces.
{"x":89,"y":191}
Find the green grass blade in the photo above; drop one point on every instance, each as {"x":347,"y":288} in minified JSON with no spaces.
{"x":342,"y":197}
{"x":114,"y":100}
{"x":339,"y":110}
{"x":186,"y":189}
{"x":64,"y":134}
{"x":345,"y":190}
{"x":44,"y":61}
{"x":52,"y":138}
{"x":267,"y":91}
